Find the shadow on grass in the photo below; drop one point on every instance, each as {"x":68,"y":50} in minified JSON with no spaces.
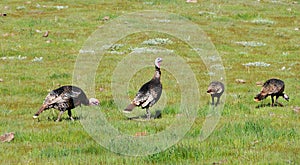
{"x":269,"y":105}
{"x":157,"y":115}
{"x":76,"y":118}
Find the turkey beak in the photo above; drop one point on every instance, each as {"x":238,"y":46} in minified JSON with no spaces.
{"x":160,"y":60}
{"x":159,"y":63}
{"x":96,"y":103}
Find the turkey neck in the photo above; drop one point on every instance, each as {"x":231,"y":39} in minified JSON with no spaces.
{"x":157,"y":73}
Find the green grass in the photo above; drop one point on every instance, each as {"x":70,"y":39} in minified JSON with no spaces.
{"x":244,"y":135}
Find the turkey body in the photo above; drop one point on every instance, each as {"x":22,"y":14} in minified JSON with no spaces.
{"x":149,"y":93}
{"x":215,"y":89}
{"x":272,"y":87}
{"x":64,"y":99}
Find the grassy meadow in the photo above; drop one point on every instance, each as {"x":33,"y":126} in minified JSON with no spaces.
{"x":256,"y":40}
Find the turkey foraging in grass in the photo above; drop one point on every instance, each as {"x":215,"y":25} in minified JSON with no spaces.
{"x":149,"y":93}
{"x":272,"y":87}
{"x":64,"y":99}
{"x":215,"y":89}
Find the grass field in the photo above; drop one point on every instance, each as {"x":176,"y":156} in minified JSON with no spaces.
{"x":243,"y":32}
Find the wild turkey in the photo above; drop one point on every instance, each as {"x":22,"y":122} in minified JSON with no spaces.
{"x":65,"y":98}
{"x":215,"y":89}
{"x":272,"y":87}
{"x":149,"y":93}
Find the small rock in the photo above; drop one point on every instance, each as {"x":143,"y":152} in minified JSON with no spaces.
{"x":259,"y":83}
{"x":105,"y":18}
{"x":46,"y":34}
{"x":220,"y":162}
{"x":255,"y":142}
{"x":180,"y":115}
{"x":8,"y":34}
{"x":240,"y":81}
{"x":7,"y":137}
{"x":1,"y":80}
{"x":296,"y":109}
{"x":48,"y":41}
{"x":140,"y":134}
{"x":272,"y":114}
{"x":5,"y":34}
{"x":191,"y":1}
{"x":101,"y":89}
{"x":20,"y":7}
{"x":296,"y":28}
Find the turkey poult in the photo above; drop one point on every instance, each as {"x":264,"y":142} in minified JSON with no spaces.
{"x":65,"y":98}
{"x":149,"y":93}
{"x":272,"y":87}
{"x":215,"y":89}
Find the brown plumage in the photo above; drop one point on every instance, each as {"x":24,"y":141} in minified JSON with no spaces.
{"x":272,"y":87}
{"x":215,"y":89}
{"x":65,"y":98}
{"x":149,"y":93}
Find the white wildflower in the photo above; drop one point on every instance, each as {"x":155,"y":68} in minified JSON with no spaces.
{"x":61,"y":7}
{"x":250,"y":43}
{"x":158,"y":41}
{"x":263,"y":21}
{"x":263,"y":64}
{"x":37,"y":59}
{"x":150,"y":50}
{"x":116,"y":52}
{"x":21,"y":7}
{"x":164,"y":21}
{"x":285,"y":53}
{"x":13,"y":57}
{"x":86,"y":51}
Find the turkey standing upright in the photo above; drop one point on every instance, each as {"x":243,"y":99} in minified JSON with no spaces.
{"x":215,"y":89}
{"x":272,"y":87}
{"x":65,"y":98}
{"x":149,"y":93}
